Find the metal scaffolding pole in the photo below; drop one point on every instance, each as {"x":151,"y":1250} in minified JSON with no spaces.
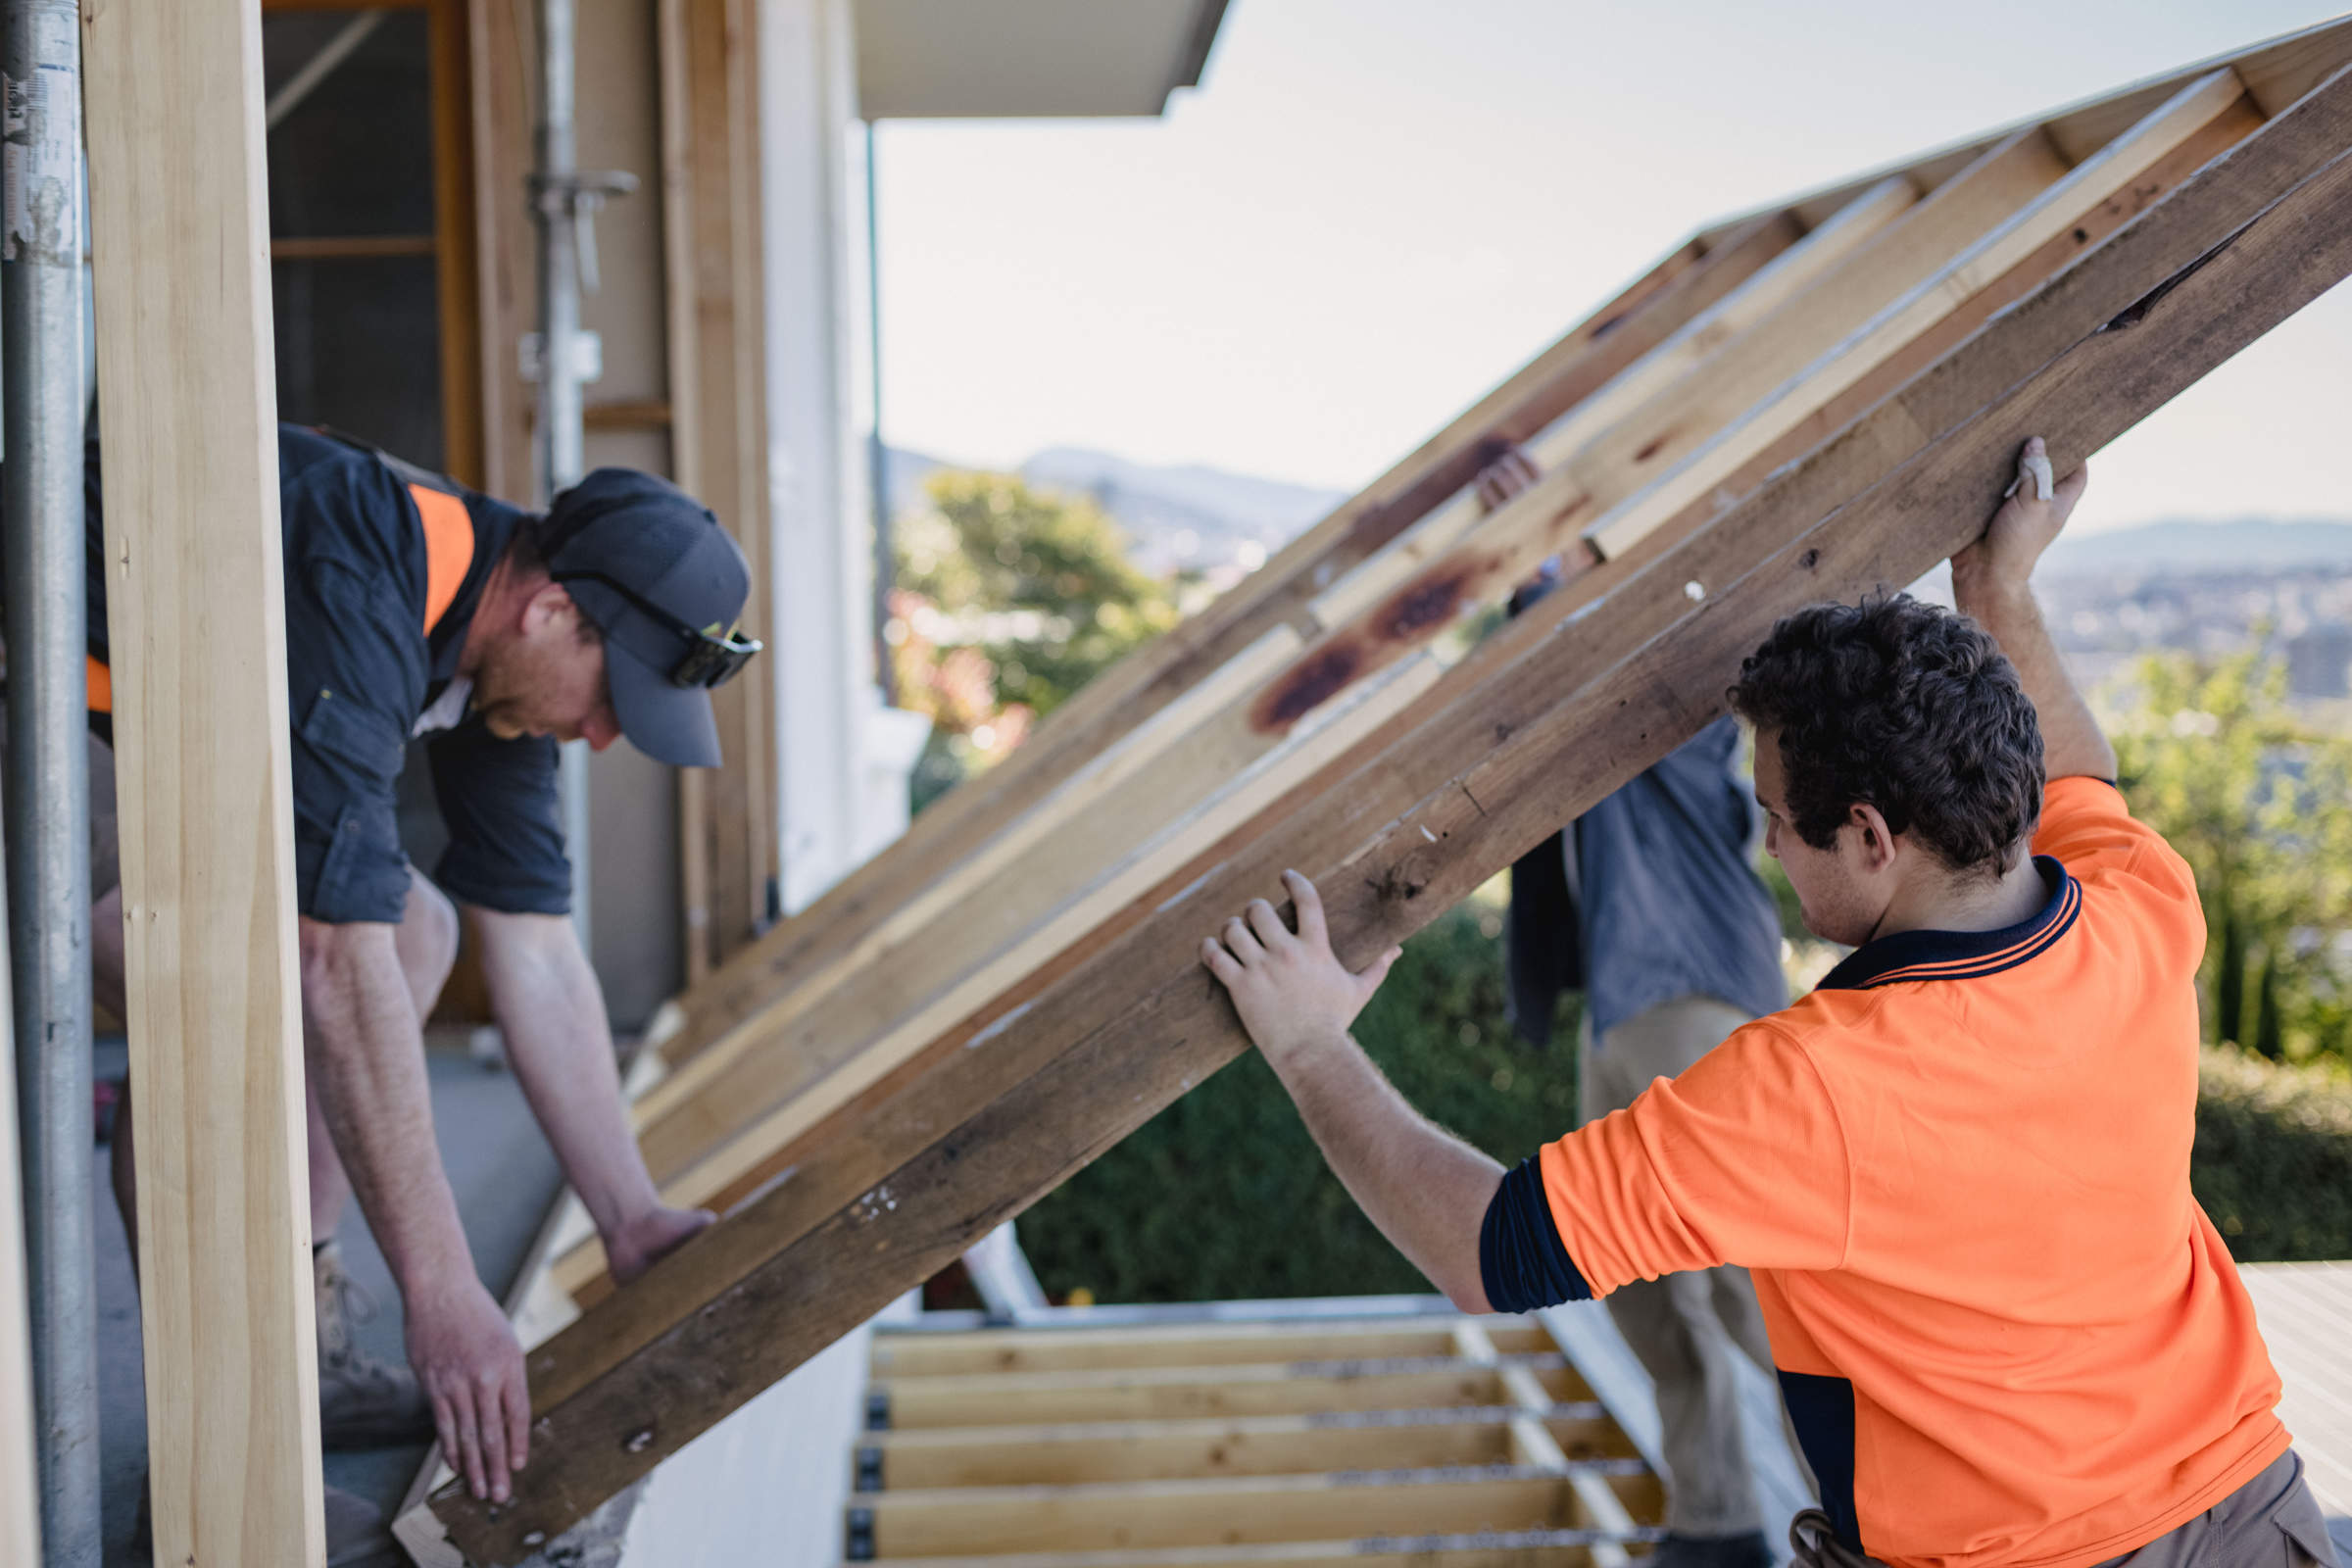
{"x":48,"y":806}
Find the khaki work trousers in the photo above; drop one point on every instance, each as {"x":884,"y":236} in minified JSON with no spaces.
{"x":1685,"y":1328}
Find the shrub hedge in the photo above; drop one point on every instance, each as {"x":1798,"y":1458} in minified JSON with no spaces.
{"x":1223,"y":1195}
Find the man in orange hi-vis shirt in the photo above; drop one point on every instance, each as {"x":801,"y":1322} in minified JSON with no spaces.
{"x":2005,"y":1332}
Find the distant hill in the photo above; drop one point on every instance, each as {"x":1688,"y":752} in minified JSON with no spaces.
{"x":2246,"y":544}
{"x":1176,"y":516}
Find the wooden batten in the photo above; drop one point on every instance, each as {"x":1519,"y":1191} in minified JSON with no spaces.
{"x":2276,"y":73}
{"x":718,"y":427}
{"x":178,"y":214}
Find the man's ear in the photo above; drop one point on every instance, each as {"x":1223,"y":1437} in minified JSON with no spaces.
{"x":547,"y":603}
{"x":1872,"y":837}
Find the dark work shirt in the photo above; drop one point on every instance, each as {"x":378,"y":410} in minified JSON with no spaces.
{"x":1650,"y":897}
{"x":1668,"y":901}
{"x":359,"y":671}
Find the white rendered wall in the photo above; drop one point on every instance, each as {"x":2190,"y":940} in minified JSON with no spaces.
{"x":813,"y":213}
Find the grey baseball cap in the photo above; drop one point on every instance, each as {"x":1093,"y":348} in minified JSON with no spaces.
{"x":652,"y":569}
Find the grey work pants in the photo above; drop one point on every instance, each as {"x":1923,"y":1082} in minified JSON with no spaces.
{"x":2272,"y":1521}
{"x":1685,"y":1328}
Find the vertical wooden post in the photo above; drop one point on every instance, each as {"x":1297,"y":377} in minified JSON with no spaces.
{"x":718,"y":429}
{"x":179,"y":207}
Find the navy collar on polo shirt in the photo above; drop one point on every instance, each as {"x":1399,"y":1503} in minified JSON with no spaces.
{"x":1927,"y":955}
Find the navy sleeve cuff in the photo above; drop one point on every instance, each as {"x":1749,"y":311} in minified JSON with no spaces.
{"x":1521,"y":1260}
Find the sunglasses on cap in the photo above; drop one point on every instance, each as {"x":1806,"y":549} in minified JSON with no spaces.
{"x":711,"y":658}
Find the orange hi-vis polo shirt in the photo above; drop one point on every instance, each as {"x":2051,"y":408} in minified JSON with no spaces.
{"x":1959,"y":1170}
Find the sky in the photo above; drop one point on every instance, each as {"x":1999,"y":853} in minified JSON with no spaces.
{"x":1372,"y":210}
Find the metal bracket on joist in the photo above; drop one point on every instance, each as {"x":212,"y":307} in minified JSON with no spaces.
{"x":858,"y":1547}
{"x":869,"y":1469}
{"x":877,"y":1409}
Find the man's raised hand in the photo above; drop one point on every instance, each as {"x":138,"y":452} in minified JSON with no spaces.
{"x":2024,"y":525}
{"x":1290,"y":989}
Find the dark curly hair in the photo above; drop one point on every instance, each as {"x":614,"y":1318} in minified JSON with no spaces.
{"x":1905,"y":706}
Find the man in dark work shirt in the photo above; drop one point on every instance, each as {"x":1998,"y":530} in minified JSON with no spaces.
{"x":415,"y":608}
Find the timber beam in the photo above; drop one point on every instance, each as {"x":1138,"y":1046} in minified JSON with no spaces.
{"x":1541,"y":722}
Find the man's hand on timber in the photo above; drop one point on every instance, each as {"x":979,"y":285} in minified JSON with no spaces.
{"x":466,"y":1354}
{"x":1291,"y":989}
{"x":2002,"y":559}
{"x":650,"y":1237}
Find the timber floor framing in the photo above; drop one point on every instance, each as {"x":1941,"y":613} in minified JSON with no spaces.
{"x":1814,"y":400}
{"x":1324,"y":1435}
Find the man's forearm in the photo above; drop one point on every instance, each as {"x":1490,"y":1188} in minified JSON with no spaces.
{"x":2071,"y":742}
{"x":1426,"y":1189}
{"x":547,"y":1001}
{"x":362,"y":1041}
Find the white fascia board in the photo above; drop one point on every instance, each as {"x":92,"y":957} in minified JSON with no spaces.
{"x":1029,"y":59}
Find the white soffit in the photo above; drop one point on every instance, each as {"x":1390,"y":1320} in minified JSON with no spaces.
{"x":1021,"y":59}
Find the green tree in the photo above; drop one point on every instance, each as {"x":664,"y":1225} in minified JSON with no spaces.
{"x":2229,"y":980}
{"x":2254,"y":798}
{"x":1038,"y":580}
{"x":2270,"y":1031}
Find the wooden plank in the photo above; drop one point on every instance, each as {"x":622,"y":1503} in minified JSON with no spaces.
{"x":913,"y":1354}
{"x":456,"y":243}
{"x":1885,"y":265}
{"x":1107,"y":707}
{"x":718,"y":417}
{"x":1275,"y":1445}
{"x":501,"y":92}
{"x":1469,"y":1548}
{"x":1786,"y":278}
{"x":822,"y":1076}
{"x":179,"y":192}
{"x":1130,"y":1393}
{"x":1237,"y":1510}
{"x":2277,"y":72}
{"x":1550,"y":716}
{"x":1701,"y":460}
{"x":1117,"y":764}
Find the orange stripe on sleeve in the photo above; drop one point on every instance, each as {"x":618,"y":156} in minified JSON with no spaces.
{"x":102,"y":685}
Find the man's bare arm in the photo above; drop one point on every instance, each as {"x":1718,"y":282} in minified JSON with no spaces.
{"x":546,"y":997}
{"x":1426,"y":1189}
{"x":1992,"y":582}
{"x":367,"y":1052}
